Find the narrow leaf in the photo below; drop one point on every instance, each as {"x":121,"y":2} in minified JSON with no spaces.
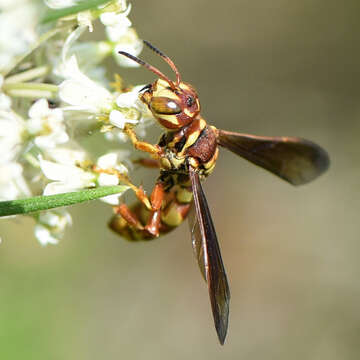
{"x":40,"y":203}
{"x":53,"y":15}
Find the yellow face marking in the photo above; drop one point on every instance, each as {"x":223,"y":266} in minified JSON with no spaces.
{"x":170,"y":118}
{"x":165,"y":93}
{"x":184,"y":86}
{"x":161,"y":84}
{"x":162,"y":89}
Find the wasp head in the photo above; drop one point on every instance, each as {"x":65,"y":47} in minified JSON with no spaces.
{"x":173,"y":104}
{"x":172,"y":107}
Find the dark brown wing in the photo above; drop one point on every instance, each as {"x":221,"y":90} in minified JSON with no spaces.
{"x":295,"y":160}
{"x":196,"y":240}
{"x":207,"y":251}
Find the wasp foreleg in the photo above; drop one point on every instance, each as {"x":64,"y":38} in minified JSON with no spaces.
{"x":154,"y":150}
{"x":148,"y":163}
{"x":139,"y":191}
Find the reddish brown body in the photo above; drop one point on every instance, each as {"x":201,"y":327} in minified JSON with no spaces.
{"x":187,"y":153}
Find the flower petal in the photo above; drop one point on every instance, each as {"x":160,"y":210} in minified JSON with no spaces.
{"x":44,"y":235}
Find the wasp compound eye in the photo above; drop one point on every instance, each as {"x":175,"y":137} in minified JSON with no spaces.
{"x":190,"y":101}
{"x":164,"y":105}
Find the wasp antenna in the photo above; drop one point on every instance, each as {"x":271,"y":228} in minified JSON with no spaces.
{"x":166,"y":58}
{"x":149,"y":67}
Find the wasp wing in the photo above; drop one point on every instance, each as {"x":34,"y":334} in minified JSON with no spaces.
{"x":196,"y":240}
{"x":295,"y":160}
{"x":207,"y":251}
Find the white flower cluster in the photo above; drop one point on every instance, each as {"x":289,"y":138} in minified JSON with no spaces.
{"x":60,"y":92}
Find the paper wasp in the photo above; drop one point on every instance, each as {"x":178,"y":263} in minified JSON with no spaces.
{"x":186,"y":154}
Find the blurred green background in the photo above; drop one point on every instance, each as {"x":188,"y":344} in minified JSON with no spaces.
{"x":292,"y":254}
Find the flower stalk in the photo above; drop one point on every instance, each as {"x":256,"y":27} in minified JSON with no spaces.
{"x":41,"y":203}
{"x":28,"y":75}
{"x":31,"y":90}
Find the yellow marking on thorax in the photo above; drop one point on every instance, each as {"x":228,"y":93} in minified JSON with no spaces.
{"x":192,"y":137}
{"x":193,"y":162}
{"x":212,"y":161}
{"x":165,"y":163}
{"x":210,"y":165}
{"x":177,"y":162}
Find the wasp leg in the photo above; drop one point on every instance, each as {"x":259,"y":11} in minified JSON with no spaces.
{"x":130,"y":217}
{"x":139,"y":191}
{"x":154,"y":150}
{"x":156,"y":198}
{"x":148,"y":163}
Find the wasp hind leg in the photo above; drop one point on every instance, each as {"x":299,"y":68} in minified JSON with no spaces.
{"x":156,"y":199}
{"x":129,"y":221}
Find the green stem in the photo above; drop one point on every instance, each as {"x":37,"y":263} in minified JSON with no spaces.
{"x":54,"y":15}
{"x":40,"y":203}
{"x":31,"y":90}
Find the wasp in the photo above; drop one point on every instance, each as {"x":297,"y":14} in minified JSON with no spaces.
{"x":185,"y":155}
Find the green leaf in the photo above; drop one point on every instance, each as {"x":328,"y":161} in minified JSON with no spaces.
{"x":40,"y":203}
{"x":53,"y":15}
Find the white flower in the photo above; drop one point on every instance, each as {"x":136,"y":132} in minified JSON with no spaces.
{"x":116,"y":24}
{"x":69,"y":155}
{"x":12,"y":128}
{"x":66,"y":177}
{"x":111,"y":161}
{"x":12,"y":182}
{"x":82,"y":93}
{"x":5,"y":102}
{"x":17,"y":29}
{"x":128,"y":42}
{"x":85,"y":18}
{"x":90,"y":53}
{"x":46,"y":125}
{"x":59,"y":4}
{"x":130,"y":99}
{"x":130,"y":110}
{"x":118,"y":119}
{"x":51,"y":225}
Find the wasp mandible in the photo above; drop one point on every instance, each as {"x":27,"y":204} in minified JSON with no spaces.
{"x":186,"y":154}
